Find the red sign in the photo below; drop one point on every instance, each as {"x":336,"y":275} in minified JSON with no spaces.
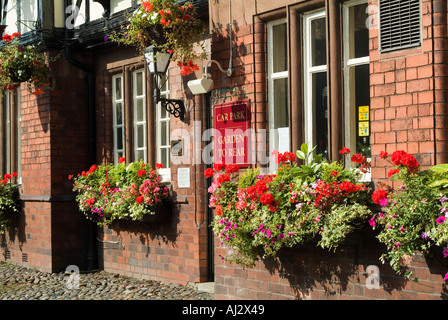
{"x":231,"y":122}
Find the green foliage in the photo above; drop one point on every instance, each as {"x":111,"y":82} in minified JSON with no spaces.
{"x":258,"y":215}
{"x":413,"y":215}
{"x":107,"y":192}
{"x":9,"y":202}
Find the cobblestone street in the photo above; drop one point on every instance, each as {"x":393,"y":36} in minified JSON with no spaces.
{"x":19,"y":283}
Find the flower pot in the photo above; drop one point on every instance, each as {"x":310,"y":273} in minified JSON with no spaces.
{"x":155,"y":34}
{"x":161,"y":213}
{"x":2,"y":29}
{"x":21,"y":75}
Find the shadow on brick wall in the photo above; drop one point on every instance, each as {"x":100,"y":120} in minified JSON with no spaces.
{"x":321,"y":274}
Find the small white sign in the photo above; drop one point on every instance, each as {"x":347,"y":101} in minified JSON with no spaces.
{"x":183,"y":177}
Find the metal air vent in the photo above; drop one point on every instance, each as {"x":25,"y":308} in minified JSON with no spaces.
{"x":400,"y":24}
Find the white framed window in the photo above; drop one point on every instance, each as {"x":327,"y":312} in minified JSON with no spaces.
{"x":118,"y":116}
{"x":139,"y":115}
{"x":356,"y":77}
{"x":163,"y":133}
{"x":278,"y":89}
{"x":315,"y":81}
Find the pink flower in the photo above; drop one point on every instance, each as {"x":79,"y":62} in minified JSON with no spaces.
{"x":446,"y":277}
{"x":372,"y":221}
{"x":441,"y":220}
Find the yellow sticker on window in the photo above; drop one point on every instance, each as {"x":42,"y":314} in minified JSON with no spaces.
{"x":364,"y":129}
{"x":363,"y":113}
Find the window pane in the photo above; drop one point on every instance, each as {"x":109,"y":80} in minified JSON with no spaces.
{"x":163,"y":133}
{"x":318,"y":42}
{"x":165,"y":157}
{"x":139,"y":155}
{"x":361,"y":87}
{"x":119,"y":138}
{"x":140,"y":137}
{"x":119,"y":110}
{"x":281,"y":103}
{"x":118,"y":95}
{"x":359,"y":34}
{"x":139,"y":83}
{"x":140,"y":110}
{"x":279,"y":48}
{"x":320,"y":112}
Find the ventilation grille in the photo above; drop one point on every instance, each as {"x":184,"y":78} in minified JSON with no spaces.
{"x":399,"y":24}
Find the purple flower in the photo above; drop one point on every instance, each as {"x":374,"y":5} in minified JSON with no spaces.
{"x":105,"y":38}
{"x":281,"y":236}
{"x":445,"y":252}
{"x":21,"y":48}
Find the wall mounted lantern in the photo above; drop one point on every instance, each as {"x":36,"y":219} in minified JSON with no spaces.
{"x":158,"y":63}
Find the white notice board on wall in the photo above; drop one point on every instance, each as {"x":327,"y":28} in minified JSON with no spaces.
{"x":183,"y":177}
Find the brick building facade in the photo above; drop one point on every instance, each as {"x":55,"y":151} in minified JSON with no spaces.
{"x":303,"y":67}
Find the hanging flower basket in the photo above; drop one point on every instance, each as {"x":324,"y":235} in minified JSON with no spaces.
{"x":170,"y":27}
{"x":106,"y":193}
{"x":20,"y":63}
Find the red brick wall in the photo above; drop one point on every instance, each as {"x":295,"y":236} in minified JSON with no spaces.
{"x":50,"y":231}
{"x":408,"y":94}
{"x":309,"y":272}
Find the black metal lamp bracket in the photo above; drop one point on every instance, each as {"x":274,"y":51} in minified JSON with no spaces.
{"x":176,"y":107}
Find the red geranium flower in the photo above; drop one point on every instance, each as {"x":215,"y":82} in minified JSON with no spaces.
{"x":358,"y":158}
{"x":232,"y":168}
{"x":396,"y":157}
{"x":223,"y":178}
{"x":159,"y":166}
{"x":409,"y":161}
{"x":141,"y":172}
{"x":219,"y":166}
{"x":208,"y":172}
{"x":392,"y":172}
{"x":378,"y":195}
{"x":344,"y":150}
{"x":383,"y":155}
{"x":7,"y":38}
{"x":266,"y":198}
{"x":121,"y":160}
{"x":139,"y":199}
